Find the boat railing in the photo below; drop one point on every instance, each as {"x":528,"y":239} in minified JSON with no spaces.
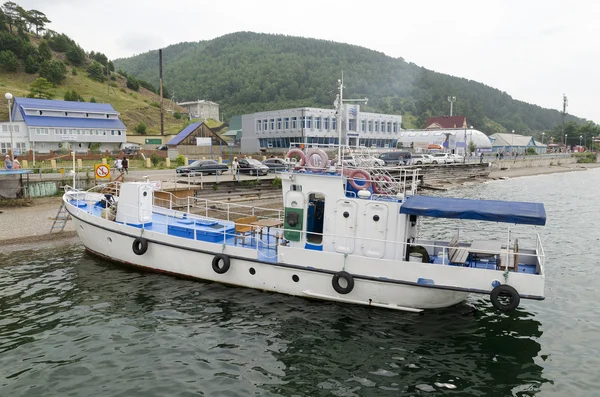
{"x":230,"y":211}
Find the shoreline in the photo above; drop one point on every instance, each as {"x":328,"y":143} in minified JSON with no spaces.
{"x":29,"y":225}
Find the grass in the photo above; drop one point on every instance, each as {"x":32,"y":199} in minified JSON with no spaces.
{"x":133,"y":106}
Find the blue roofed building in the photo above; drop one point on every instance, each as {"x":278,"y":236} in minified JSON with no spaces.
{"x":197,"y":139}
{"x":47,"y":125}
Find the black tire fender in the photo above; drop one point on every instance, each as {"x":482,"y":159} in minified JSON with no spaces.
{"x":139,"y":246}
{"x":216,"y":261}
{"x":335,"y":282}
{"x":505,"y":290}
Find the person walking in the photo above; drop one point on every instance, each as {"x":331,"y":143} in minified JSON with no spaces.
{"x":118,"y":165}
{"x":125,"y":164}
{"x":16,"y":165}
{"x":7,"y":162}
{"x":481,"y":158}
{"x":234,"y":168}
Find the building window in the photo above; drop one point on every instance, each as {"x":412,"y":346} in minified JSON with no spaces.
{"x":294,"y":123}
{"x":112,"y":132}
{"x":286,"y":123}
{"x":334,"y":124}
{"x":395,"y":127}
{"x":258,"y":125}
{"x":326,"y":123}
{"x":272,"y":124}
{"x":119,"y":132}
{"x":318,"y":123}
{"x":363,"y":125}
{"x":376,"y":127}
{"x":389,"y":127}
{"x":279,"y":123}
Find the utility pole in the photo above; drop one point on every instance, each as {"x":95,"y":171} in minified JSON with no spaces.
{"x":451,"y":99}
{"x":564,"y":111}
{"x":162,"y":120}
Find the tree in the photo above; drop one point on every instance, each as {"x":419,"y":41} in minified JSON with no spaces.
{"x":9,"y":61}
{"x":96,"y":71}
{"x":472,"y":147}
{"x":92,"y":100}
{"x":140,"y":128}
{"x":31,"y":64}
{"x":132,"y":83}
{"x":41,"y":88}
{"x":100,"y":57}
{"x":73,"y":96}
{"x":111,"y":66}
{"x":11,"y":13}
{"x":76,"y":55}
{"x":59,"y":42}
{"x":3,"y":21}
{"x":44,"y":51}
{"x":53,"y":71}
{"x":37,"y":19}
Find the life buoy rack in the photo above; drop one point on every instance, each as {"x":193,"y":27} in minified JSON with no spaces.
{"x":299,"y":153}
{"x":508,"y":292}
{"x":335,"y":282}
{"x":356,"y":173}
{"x":321,"y":155}
{"x":381,"y":184}
{"x":139,"y":246}
{"x":216,"y":263}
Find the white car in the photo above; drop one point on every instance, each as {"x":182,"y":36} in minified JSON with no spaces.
{"x":419,"y":159}
{"x":457,"y":158}
{"x":442,"y":158}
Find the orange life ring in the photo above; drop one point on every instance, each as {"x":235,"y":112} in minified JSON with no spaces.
{"x":379,"y":183}
{"x":354,"y":174}
{"x":310,"y":159}
{"x":299,"y":153}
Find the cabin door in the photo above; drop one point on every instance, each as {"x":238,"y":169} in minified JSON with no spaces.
{"x":374,"y":230}
{"x":293,"y":217}
{"x":345,"y":226}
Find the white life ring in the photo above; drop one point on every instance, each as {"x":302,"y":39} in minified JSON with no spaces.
{"x":356,"y":173}
{"x":316,"y":159}
{"x":299,"y":153}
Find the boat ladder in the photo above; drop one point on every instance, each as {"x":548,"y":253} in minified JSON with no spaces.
{"x":62,"y":216}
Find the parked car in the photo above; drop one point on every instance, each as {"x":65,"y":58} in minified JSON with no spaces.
{"x":130,"y":150}
{"x":276,"y":165}
{"x":253,"y":166}
{"x":162,"y":147}
{"x":420,"y":159}
{"x":457,"y":158}
{"x":202,"y":167}
{"x":442,"y":158}
{"x":396,"y":158}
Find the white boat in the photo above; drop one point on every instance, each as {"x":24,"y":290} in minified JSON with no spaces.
{"x":338,"y":238}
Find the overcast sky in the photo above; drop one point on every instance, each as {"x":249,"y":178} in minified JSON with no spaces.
{"x":535,"y":50}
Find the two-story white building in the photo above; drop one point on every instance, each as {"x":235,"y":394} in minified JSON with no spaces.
{"x":202,"y":109}
{"x":279,"y":128}
{"x":44,"y":125}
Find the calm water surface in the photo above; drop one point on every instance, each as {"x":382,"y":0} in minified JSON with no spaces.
{"x":74,"y":325}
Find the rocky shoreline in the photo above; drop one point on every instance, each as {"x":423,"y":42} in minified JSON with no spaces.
{"x":28,"y":227}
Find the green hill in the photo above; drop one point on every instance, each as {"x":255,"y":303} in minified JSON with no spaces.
{"x":249,"y":72}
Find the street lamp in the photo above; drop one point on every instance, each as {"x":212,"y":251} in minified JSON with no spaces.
{"x":512,"y":142}
{"x":566,"y":143}
{"x":580,"y":138}
{"x":9,"y":98}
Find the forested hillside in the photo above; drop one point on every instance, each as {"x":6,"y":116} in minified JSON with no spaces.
{"x":248,"y":72}
{"x":36,"y":61}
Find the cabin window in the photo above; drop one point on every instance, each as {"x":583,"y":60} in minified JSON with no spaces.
{"x":315,"y":218}
{"x":296,"y":188}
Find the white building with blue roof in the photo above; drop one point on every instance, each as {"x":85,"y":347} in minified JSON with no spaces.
{"x":47,"y":125}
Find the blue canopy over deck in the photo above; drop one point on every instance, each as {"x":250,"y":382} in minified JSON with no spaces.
{"x":481,"y":210}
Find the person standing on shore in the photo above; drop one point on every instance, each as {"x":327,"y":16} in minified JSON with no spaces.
{"x":16,"y":165}
{"x":234,"y":168}
{"x":7,"y":162}
{"x":481,"y":158}
{"x":118,"y":165}
{"x":125,"y":163}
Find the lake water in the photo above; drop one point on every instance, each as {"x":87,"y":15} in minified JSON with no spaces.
{"x":75,"y":325}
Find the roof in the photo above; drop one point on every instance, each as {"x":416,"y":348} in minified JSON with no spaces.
{"x":176,"y":140}
{"x":51,"y":104}
{"x":482,"y":210}
{"x":73,"y":122}
{"x":499,"y":139}
{"x":447,"y":122}
{"x":235,"y":123}
{"x":232,"y":133}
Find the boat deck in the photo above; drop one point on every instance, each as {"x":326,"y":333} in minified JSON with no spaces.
{"x":175,"y":223}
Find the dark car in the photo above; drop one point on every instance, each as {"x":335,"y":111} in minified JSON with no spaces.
{"x":162,"y":147}
{"x":276,"y":165}
{"x":253,"y":167}
{"x":396,"y":158}
{"x":202,"y":167}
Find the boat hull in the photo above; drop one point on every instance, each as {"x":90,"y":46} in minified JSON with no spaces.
{"x":193,"y":259}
